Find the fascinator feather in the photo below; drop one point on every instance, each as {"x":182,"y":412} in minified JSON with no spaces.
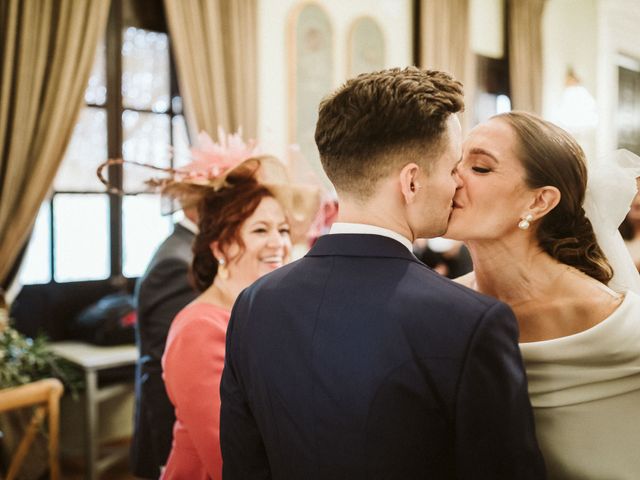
{"x":211,"y":165}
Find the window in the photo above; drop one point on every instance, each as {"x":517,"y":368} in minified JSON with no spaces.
{"x":628,"y":112}
{"x":132,"y":111}
{"x":493,"y":90}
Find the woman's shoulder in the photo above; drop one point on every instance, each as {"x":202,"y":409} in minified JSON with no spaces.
{"x":568,"y":311}
{"x":209,"y":310}
{"x":197,"y":324}
{"x":597,"y":304}
{"x":198,"y":315}
{"x":590,"y":295}
{"x":200,"y":307}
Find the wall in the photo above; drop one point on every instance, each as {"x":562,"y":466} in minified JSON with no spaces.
{"x":486,"y":27}
{"x":618,"y":33}
{"x":569,"y":32}
{"x":590,"y":36}
{"x":394,"y":16}
{"x":587,"y":35}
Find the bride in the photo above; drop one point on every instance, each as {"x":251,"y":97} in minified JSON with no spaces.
{"x":521,"y":213}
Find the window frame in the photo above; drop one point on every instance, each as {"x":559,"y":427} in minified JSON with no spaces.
{"x":114,"y":109}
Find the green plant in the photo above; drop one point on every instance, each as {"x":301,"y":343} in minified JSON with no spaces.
{"x":24,"y":360}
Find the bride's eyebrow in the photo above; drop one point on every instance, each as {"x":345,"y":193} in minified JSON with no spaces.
{"x":482,"y":151}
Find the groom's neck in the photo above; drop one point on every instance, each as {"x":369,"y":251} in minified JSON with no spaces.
{"x":375,"y":211}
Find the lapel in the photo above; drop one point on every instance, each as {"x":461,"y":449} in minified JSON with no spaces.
{"x":360,"y":245}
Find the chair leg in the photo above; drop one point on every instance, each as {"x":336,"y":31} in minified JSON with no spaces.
{"x":25,"y":443}
{"x":54,"y":427}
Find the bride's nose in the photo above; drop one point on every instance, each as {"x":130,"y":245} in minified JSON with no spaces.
{"x":458,"y":178}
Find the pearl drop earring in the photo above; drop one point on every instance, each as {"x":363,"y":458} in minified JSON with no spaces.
{"x":525,"y":223}
{"x":223,"y":273}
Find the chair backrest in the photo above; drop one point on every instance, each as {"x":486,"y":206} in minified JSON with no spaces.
{"x":45,"y":395}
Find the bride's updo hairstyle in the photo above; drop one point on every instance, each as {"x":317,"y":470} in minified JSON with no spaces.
{"x":552,"y":157}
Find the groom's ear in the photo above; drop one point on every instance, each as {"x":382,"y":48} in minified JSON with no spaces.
{"x":409,"y":185}
{"x":545,"y":199}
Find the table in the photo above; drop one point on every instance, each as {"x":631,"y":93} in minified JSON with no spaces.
{"x":92,"y":359}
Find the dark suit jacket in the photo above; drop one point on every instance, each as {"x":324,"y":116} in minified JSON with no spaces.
{"x":161,"y":293}
{"x":359,"y":362}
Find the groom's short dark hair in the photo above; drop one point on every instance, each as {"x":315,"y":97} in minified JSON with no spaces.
{"x":379,"y":116}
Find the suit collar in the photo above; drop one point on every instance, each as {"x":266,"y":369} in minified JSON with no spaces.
{"x":343,"y":227}
{"x":187,"y":224}
{"x":360,"y":245}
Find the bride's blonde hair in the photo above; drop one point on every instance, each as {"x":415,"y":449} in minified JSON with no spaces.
{"x":552,"y":157}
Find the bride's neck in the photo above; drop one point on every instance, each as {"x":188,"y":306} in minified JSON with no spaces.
{"x":512,"y":272}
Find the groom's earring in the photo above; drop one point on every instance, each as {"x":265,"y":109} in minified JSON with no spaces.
{"x":525,"y":223}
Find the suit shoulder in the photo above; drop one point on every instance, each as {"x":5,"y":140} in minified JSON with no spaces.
{"x":174,"y":250}
{"x":274,"y":278}
{"x":177,"y":245}
{"x":164,"y":270}
{"x":440,"y":286}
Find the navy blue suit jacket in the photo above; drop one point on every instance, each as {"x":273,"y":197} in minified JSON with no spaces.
{"x":359,"y":362}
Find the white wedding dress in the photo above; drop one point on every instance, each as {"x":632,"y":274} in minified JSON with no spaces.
{"x":585,"y":393}
{"x":585,"y":388}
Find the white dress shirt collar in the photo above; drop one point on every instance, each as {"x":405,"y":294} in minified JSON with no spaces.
{"x":363,"y":228}
{"x":189,"y":225}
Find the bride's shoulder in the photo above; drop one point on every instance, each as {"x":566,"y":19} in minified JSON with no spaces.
{"x":467,"y":280}
{"x":590,"y":300}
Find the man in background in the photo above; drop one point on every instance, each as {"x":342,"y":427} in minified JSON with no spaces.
{"x":160,"y":294}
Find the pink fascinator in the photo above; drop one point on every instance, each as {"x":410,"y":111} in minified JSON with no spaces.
{"x":210,"y":163}
{"x":211,"y":159}
{"x":213,"y":162}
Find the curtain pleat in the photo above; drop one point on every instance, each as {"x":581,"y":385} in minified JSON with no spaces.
{"x":525,"y":54}
{"x":215,"y":48}
{"x":46,"y":56}
{"x":445,"y":45}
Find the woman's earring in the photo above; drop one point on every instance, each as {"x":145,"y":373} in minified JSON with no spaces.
{"x":223,"y":271}
{"x":525,"y":223}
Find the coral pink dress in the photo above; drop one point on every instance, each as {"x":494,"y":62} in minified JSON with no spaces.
{"x":192,"y":367}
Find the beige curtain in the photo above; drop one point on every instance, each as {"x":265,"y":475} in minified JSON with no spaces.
{"x":445,"y":44}
{"x":215,"y":48}
{"x":46,"y":54}
{"x":525,"y":54}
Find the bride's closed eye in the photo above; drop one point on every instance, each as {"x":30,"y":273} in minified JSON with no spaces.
{"x":481,"y":169}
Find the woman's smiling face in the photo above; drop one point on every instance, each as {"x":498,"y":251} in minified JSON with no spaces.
{"x":493,"y":197}
{"x":265,"y":235}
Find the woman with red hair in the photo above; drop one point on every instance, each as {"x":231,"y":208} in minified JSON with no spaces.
{"x":244,"y":233}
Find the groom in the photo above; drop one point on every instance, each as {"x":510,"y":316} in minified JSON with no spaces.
{"x":359,"y":362}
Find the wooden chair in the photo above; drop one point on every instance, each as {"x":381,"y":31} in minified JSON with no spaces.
{"x":46,"y":395}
